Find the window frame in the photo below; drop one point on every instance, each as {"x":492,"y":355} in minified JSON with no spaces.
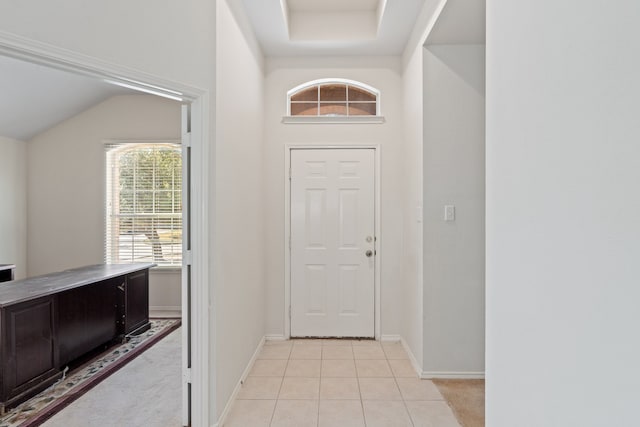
{"x":123,"y":145}
{"x":377,"y":118}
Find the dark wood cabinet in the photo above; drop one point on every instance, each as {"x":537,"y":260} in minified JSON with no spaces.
{"x":136,"y":295}
{"x":29,"y":356}
{"x":47,"y":322}
{"x":87,"y":318}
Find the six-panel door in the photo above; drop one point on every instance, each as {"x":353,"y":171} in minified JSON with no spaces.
{"x":332,"y":242}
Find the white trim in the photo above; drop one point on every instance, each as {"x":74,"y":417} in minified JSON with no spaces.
{"x":275,"y":338}
{"x":67,"y":60}
{"x":333,"y":80}
{"x":287,"y":241}
{"x":426,"y":375}
{"x":201,"y":206}
{"x":412,"y":358}
{"x":429,"y":15}
{"x":236,"y":390}
{"x":63,"y":59}
{"x":390,"y":338}
{"x":284,"y":6}
{"x":112,"y":141}
{"x":176,"y":309}
{"x":185,"y":276}
{"x":287,"y":228}
{"x":166,"y":270}
{"x":333,"y":119}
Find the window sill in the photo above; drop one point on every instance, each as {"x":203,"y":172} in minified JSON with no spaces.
{"x":332,"y":119}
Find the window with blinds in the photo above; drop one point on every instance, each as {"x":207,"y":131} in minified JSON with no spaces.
{"x":144,"y":203}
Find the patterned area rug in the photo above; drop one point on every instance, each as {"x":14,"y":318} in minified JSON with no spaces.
{"x":41,"y":407}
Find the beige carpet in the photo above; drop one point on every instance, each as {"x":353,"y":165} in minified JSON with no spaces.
{"x":466,"y":398}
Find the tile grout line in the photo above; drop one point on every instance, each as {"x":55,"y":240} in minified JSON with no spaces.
{"x":364,"y":416}
{"x":404,"y":402}
{"x":273,"y":413}
{"x":320,"y":384}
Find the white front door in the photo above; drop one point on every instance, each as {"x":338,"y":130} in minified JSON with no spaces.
{"x":333,"y":242}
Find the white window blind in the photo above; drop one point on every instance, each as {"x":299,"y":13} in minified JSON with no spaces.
{"x":144,"y":203}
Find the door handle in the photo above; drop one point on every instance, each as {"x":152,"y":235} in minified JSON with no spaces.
{"x":368,"y":254}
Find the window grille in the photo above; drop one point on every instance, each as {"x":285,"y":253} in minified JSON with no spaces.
{"x":333,"y":98}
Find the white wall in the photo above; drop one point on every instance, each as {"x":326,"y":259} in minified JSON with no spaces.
{"x":66,"y":185}
{"x":563,"y":213}
{"x":13,"y":207}
{"x":454,"y":154}
{"x":142,"y":35}
{"x":239,"y":237}
{"x":381,"y":73}
{"x":412,"y":282}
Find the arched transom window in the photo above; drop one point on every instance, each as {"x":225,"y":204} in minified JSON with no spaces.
{"x":333,"y":98}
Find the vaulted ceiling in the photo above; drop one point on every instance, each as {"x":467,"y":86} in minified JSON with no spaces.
{"x":35,"y":98}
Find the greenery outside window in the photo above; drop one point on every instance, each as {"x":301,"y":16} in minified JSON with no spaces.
{"x":144,"y":203}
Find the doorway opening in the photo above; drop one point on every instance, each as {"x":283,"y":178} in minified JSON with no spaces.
{"x":194,"y":276}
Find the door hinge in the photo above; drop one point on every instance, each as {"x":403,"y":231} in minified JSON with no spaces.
{"x":187,"y":257}
{"x":289,"y":173}
{"x":186,"y":375}
{"x":186,"y":139}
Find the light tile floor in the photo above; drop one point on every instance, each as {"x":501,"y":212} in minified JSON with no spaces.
{"x":337,"y":383}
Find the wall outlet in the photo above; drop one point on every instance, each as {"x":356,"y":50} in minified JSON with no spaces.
{"x":449,"y":213}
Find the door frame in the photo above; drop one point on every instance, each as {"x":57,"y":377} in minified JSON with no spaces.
{"x":287,"y":227}
{"x":62,"y":59}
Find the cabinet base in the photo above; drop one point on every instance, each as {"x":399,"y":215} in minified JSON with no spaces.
{"x":140,"y":329}
{"x":42,"y":383}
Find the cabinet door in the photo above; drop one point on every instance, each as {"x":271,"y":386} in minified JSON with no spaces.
{"x":29,"y":333}
{"x":137,"y":301}
{"x":87,"y":318}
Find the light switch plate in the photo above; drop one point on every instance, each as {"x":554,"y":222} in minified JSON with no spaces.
{"x":449,"y":213}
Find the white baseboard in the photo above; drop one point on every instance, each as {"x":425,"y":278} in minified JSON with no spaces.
{"x":165,"y":311}
{"x":390,"y":338}
{"x":275,"y":338}
{"x":414,"y":362}
{"x":236,"y":390}
{"x":165,"y":308}
{"x":429,"y":375}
